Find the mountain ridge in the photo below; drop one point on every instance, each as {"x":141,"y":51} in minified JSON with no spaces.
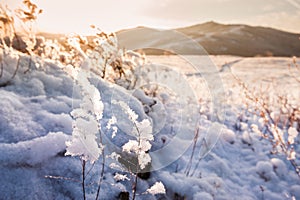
{"x":228,"y":39}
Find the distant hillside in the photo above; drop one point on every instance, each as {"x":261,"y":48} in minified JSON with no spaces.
{"x":220,"y":39}
{"x":215,"y":38}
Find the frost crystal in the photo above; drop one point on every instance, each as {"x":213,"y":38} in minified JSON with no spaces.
{"x":86,"y":122}
{"x":131,"y":146}
{"x":85,"y":147}
{"x":132,"y":115}
{"x":83,"y":142}
{"x":98,"y":104}
{"x":293,"y":133}
{"x":145,"y":129}
{"x":115,"y":166}
{"x":110,"y":125}
{"x":114,"y":156}
{"x":143,"y":159}
{"x":121,"y":177}
{"x":115,"y":130}
{"x":111,"y":121}
{"x":157,"y":188}
{"x":292,"y":155}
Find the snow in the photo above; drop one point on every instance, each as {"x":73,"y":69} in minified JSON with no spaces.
{"x":34,"y":151}
{"x":38,"y":109}
{"x":228,"y":135}
{"x":157,"y":188}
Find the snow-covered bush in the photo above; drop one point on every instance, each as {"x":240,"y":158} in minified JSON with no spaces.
{"x":278,"y":119}
{"x":101,"y":50}
{"x":98,"y":58}
{"x":105,"y":58}
{"x":11,"y":39}
{"x":87,"y":137}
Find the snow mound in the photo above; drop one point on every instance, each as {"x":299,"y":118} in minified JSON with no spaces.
{"x":33,"y":151}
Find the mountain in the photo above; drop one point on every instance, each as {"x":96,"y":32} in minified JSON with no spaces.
{"x":218,"y":39}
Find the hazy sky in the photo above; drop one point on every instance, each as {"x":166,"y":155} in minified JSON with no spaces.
{"x":112,"y":15}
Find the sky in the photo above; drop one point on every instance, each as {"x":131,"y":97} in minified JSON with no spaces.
{"x":67,"y":16}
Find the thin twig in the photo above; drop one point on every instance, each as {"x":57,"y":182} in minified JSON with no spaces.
{"x":198,"y":162}
{"x":134,"y":186}
{"x":88,"y":172}
{"x":62,"y":178}
{"x":1,"y":67}
{"x":13,"y":76}
{"x":102,"y":167}
{"x":189,"y":165}
{"x":17,"y":68}
{"x":83,"y":179}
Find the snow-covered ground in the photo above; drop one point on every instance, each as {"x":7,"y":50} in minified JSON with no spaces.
{"x":229,"y":161}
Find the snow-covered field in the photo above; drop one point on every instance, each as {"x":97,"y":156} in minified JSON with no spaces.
{"x":228,"y":160}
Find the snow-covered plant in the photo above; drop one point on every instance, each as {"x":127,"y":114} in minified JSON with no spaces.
{"x":86,"y":122}
{"x":49,"y":49}
{"x":7,"y":34}
{"x":25,"y":39}
{"x":138,"y":148}
{"x":279,"y":121}
{"x":294,"y":69}
{"x":28,"y":15}
{"x":105,"y":57}
{"x":142,"y":131}
{"x":86,"y":127}
{"x":7,"y":26}
{"x":10,"y":39}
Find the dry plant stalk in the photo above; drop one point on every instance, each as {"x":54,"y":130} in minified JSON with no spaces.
{"x":274,"y":124}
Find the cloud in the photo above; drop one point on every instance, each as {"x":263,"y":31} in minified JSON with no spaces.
{"x":288,"y":21}
{"x":279,"y":14}
{"x":294,"y":3}
{"x":111,"y":15}
{"x":214,"y":9}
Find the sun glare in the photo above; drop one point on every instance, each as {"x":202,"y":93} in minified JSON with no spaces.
{"x":70,"y":16}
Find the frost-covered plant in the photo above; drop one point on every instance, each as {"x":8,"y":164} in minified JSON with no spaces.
{"x":28,"y":15}
{"x":105,"y":57}
{"x":7,"y":26}
{"x":7,"y":33}
{"x":279,"y":122}
{"x":137,"y":150}
{"x":52,"y":50}
{"x":86,"y":130}
{"x":9,"y":38}
{"x":86,"y":127}
{"x":86,"y":122}
{"x":142,"y":131}
{"x":80,"y":57}
{"x":87,"y":137}
{"x":102,"y":52}
{"x":294,"y":69}
{"x":139,"y":147}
